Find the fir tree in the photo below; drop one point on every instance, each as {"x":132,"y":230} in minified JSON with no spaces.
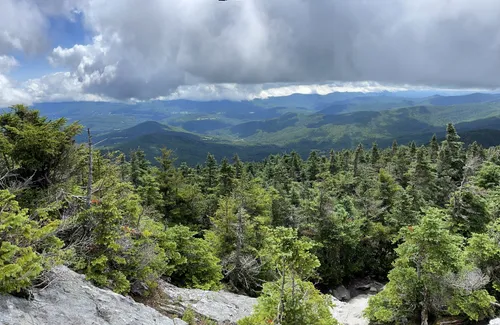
{"x":332,"y":166}
{"x":433,"y":148}
{"x":210,"y":173}
{"x":375,"y":154}
{"x":357,"y":158}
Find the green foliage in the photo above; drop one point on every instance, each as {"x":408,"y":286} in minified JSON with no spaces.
{"x":261,"y":227}
{"x":426,"y":276}
{"x":488,"y":177}
{"x":26,"y":246}
{"x":484,"y":251}
{"x":289,"y":254}
{"x":476,"y":305}
{"x":199,"y":267}
{"x":189,"y":317}
{"x":121,"y":252}
{"x":303,"y":304}
{"x":35,"y":147}
{"x":468,"y":211}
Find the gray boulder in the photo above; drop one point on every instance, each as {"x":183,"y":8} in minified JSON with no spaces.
{"x":364,"y":286}
{"x":70,"y":299}
{"x":220,"y":306}
{"x":341,"y":293}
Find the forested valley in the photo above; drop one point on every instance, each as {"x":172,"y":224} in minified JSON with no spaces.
{"x":425,"y":220}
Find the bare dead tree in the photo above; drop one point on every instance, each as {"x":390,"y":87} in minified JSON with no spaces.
{"x":89,"y":182}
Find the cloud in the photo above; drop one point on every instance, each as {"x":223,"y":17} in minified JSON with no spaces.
{"x":60,"y":86}
{"x":7,"y":63}
{"x":147,"y":49}
{"x":24,"y":23}
{"x":11,"y":94}
{"x":22,"y":27}
{"x":253,"y":48}
{"x":235,"y":91}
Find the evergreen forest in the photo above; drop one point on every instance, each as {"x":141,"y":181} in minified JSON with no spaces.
{"x":424,"y":219}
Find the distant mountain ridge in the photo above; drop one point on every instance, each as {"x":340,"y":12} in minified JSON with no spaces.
{"x":206,"y":116}
{"x":254,"y":129}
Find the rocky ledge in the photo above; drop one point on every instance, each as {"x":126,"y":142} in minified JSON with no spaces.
{"x":70,"y":299}
{"x":220,"y":306}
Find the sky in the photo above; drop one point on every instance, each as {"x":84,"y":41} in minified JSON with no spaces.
{"x":131,"y":50}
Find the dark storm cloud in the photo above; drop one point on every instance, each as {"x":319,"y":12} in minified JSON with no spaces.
{"x":147,"y":49}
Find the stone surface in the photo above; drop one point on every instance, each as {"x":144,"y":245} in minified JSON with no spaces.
{"x":364,"y":286}
{"x":351,"y":312}
{"x":220,"y":306}
{"x":70,"y":299}
{"x":495,"y":321}
{"x":341,"y":293}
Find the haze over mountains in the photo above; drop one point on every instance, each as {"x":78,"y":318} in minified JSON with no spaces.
{"x":300,"y":122}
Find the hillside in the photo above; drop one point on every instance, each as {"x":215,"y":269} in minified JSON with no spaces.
{"x":347,"y":130}
{"x":190,"y":148}
{"x":325,"y":129}
{"x":256,"y":128}
{"x":209,"y":116}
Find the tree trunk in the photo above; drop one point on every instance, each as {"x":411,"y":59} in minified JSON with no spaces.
{"x":239,"y":239}
{"x":89,"y":182}
{"x":281,"y":306}
{"x":424,"y":314}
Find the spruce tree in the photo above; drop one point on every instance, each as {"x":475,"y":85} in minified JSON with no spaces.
{"x":422,"y":177}
{"x":394,"y":148}
{"x":433,"y":148}
{"x":238,"y":166}
{"x":375,"y":155}
{"x":313,"y":165}
{"x":419,"y":284}
{"x":332,"y":165}
{"x":210,"y":173}
{"x":226,"y":178}
{"x":357,"y":158}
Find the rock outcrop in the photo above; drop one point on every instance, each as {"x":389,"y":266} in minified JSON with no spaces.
{"x":221,"y":306}
{"x":71,"y":300}
{"x":341,"y":293}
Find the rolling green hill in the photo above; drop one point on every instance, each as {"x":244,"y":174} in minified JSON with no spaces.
{"x":383,"y":129}
{"x":369,"y":125}
{"x":190,"y":148}
{"x":254,"y":129}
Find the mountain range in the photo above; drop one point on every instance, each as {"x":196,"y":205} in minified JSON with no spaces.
{"x":257,"y":128}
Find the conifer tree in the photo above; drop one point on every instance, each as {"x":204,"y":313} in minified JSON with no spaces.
{"x":375,"y":154}
{"x":20,"y":263}
{"x":332,"y":166}
{"x":290,"y":300}
{"x":422,"y":177}
{"x":210,"y":173}
{"x":238,"y":167}
{"x":226,"y":177}
{"x":357,"y":158}
{"x":418,"y":284}
{"x":433,"y":148}
{"x":413,"y":149}
{"x":394,"y":148}
{"x":313,"y":165}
